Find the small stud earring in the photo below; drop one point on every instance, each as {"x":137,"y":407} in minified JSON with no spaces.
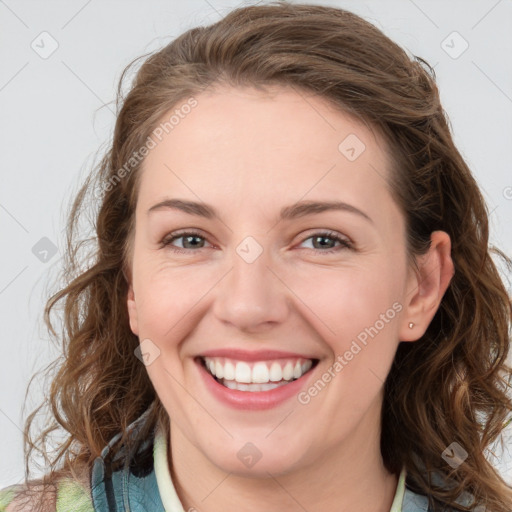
{"x":411,"y":325}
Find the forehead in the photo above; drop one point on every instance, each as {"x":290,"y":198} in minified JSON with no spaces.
{"x":241,"y":146}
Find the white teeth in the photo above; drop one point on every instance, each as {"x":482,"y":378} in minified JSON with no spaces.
{"x":297,"y":371}
{"x":229,"y":371}
{"x":306,"y":366}
{"x":219,"y":370}
{"x":233,"y":384}
{"x":276,"y":372}
{"x":259,"y":375}
{"x":242,"y":372}
{"x":268,"y":386}
{"x":288,"y":371}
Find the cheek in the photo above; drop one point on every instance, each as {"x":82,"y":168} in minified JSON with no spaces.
{"x":356,"y":313}
{"x":344,"y":301}
{"x":166,"y":298}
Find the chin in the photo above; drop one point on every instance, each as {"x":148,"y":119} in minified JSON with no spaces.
{"x":249,"y":461}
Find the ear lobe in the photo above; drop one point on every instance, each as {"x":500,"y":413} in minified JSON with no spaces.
{"x":132,"y":310}
{"x":425,"y":289}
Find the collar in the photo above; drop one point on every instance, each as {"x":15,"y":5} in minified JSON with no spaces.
{"x":127,"y":481}
{"x":166,"y":488}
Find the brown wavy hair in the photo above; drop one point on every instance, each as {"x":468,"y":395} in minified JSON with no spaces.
{"x":451,"y":385}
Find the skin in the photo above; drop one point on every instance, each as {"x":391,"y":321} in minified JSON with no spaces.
{"x":248,"y":154}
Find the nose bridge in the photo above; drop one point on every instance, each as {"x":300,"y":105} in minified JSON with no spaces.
{"x":251,"y":294}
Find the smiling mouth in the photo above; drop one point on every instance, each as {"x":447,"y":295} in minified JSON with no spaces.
{"x":258,"y":375}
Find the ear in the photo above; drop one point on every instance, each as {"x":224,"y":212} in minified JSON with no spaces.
{"x":132,"y":310}
{"x":426,"y":288}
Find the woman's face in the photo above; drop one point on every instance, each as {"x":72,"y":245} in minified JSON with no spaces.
{"x":269,"y":288}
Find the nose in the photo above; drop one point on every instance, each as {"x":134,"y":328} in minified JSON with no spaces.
{"x":253,"y":296}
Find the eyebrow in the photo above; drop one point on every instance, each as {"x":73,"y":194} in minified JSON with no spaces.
{"x":294,"y":211}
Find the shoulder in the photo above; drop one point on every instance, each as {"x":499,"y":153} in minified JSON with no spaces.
{"x":75,"y":493}
{"x":7,"y":495}
{"x":71,"y":494}
{"x":24,"y":498}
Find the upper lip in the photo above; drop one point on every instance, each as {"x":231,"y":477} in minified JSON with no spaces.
{"x":253,"y":355}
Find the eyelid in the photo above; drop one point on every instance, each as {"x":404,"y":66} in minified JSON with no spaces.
{"x":346,"y":242}
{"x":174,"y":235}
{"x":328,"y":232}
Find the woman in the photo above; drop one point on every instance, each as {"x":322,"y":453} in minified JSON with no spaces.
{"x":293,"y":305}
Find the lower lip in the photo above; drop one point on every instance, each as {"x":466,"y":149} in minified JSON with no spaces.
{"x":253,"y":400}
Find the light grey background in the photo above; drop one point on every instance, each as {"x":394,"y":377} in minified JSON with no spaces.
{"x":52,"y":123}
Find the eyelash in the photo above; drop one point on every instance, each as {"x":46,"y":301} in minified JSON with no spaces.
{"x":345,"y":244}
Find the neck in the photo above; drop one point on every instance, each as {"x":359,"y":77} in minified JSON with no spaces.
{"x":351,"y":477}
